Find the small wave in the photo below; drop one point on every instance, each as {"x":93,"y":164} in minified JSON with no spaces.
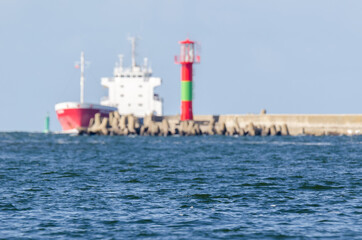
{"x":34,"y":189}
{"x":96,"y":142}
{"x":48,"y":173}
{"x":133,"y":181}
{"x":258,"y":184}
{"x":231,"y":229}
{"x":131,"y":196}
{"x":302,"y":143}
{"x":201,"y":196}
{"x":65,"y":142}
{"x":287,"y":143}
{"x":7,"y":207}
{"x":110,"y":222}
{"x":124,"y":170}
{"x":317,"y":187}
{"x":69,"y":175}
{"x":47,"y":224}
{"x":143,"y":221}
{"x":297,"y":210}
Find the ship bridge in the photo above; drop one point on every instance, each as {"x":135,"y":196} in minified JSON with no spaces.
{"x":131,"y":90}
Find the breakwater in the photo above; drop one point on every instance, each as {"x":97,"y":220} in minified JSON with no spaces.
{"x":249,"y":124}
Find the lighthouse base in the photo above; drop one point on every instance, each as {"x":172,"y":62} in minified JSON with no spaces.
{"x":186,"y":111}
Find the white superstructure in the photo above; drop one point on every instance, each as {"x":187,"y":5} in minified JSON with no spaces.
{"x":131,"y":90}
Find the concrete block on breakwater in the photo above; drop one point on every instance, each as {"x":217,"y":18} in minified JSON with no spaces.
{"x":249,"y":124}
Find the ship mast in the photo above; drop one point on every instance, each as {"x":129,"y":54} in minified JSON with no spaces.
{"x":81,"y":77}
{"x":133,"y":43}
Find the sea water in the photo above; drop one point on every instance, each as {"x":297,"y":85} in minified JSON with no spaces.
{"x":209,"y":187}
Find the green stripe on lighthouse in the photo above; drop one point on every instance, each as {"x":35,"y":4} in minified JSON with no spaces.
{"x":186,"y":90}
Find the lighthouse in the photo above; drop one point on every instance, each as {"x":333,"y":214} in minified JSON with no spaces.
{"x":187,"y":58}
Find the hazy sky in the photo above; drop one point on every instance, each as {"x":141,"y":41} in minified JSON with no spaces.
{"x":283,"y":55}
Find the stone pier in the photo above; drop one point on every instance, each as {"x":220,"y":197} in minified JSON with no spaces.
{"x":249,"y":124}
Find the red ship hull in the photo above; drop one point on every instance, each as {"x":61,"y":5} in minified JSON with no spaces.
{"x":72,"y":115}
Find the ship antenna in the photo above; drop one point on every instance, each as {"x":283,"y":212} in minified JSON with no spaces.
{"x":133,"y":43}
{"x":120,"y":61}
{"x":81,"y":77}
{"x":145,"y":63}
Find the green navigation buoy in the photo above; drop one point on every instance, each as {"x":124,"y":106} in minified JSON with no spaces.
{"x":47,"y":122}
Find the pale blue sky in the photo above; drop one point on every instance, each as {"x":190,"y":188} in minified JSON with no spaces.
{"x":283,"y":55}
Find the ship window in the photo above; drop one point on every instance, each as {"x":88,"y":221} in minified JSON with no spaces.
{"x":128,"y":75}
{"x":122,"y":75}
{"x":122,"y":86}
{"x":129,"y":104}
{"x":140,"y":86}
{"x":140,"y":95}
{"x":140,"y":104}
{"x":139,"y":76}
{"x":122,"y":95}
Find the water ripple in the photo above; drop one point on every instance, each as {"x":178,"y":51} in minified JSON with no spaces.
{"x":209,"y":187}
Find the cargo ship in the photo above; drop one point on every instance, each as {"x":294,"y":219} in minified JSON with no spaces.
{"x":75,"y":115}
{"x":130,"y":91}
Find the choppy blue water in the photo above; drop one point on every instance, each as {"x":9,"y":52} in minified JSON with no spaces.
{"x":210,"y":187}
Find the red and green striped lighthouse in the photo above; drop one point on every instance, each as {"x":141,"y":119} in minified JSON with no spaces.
{"x":187,"y":58}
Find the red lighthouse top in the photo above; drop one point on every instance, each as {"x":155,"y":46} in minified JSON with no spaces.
{"x":186,"y":41}
{"x":187,"y":54}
